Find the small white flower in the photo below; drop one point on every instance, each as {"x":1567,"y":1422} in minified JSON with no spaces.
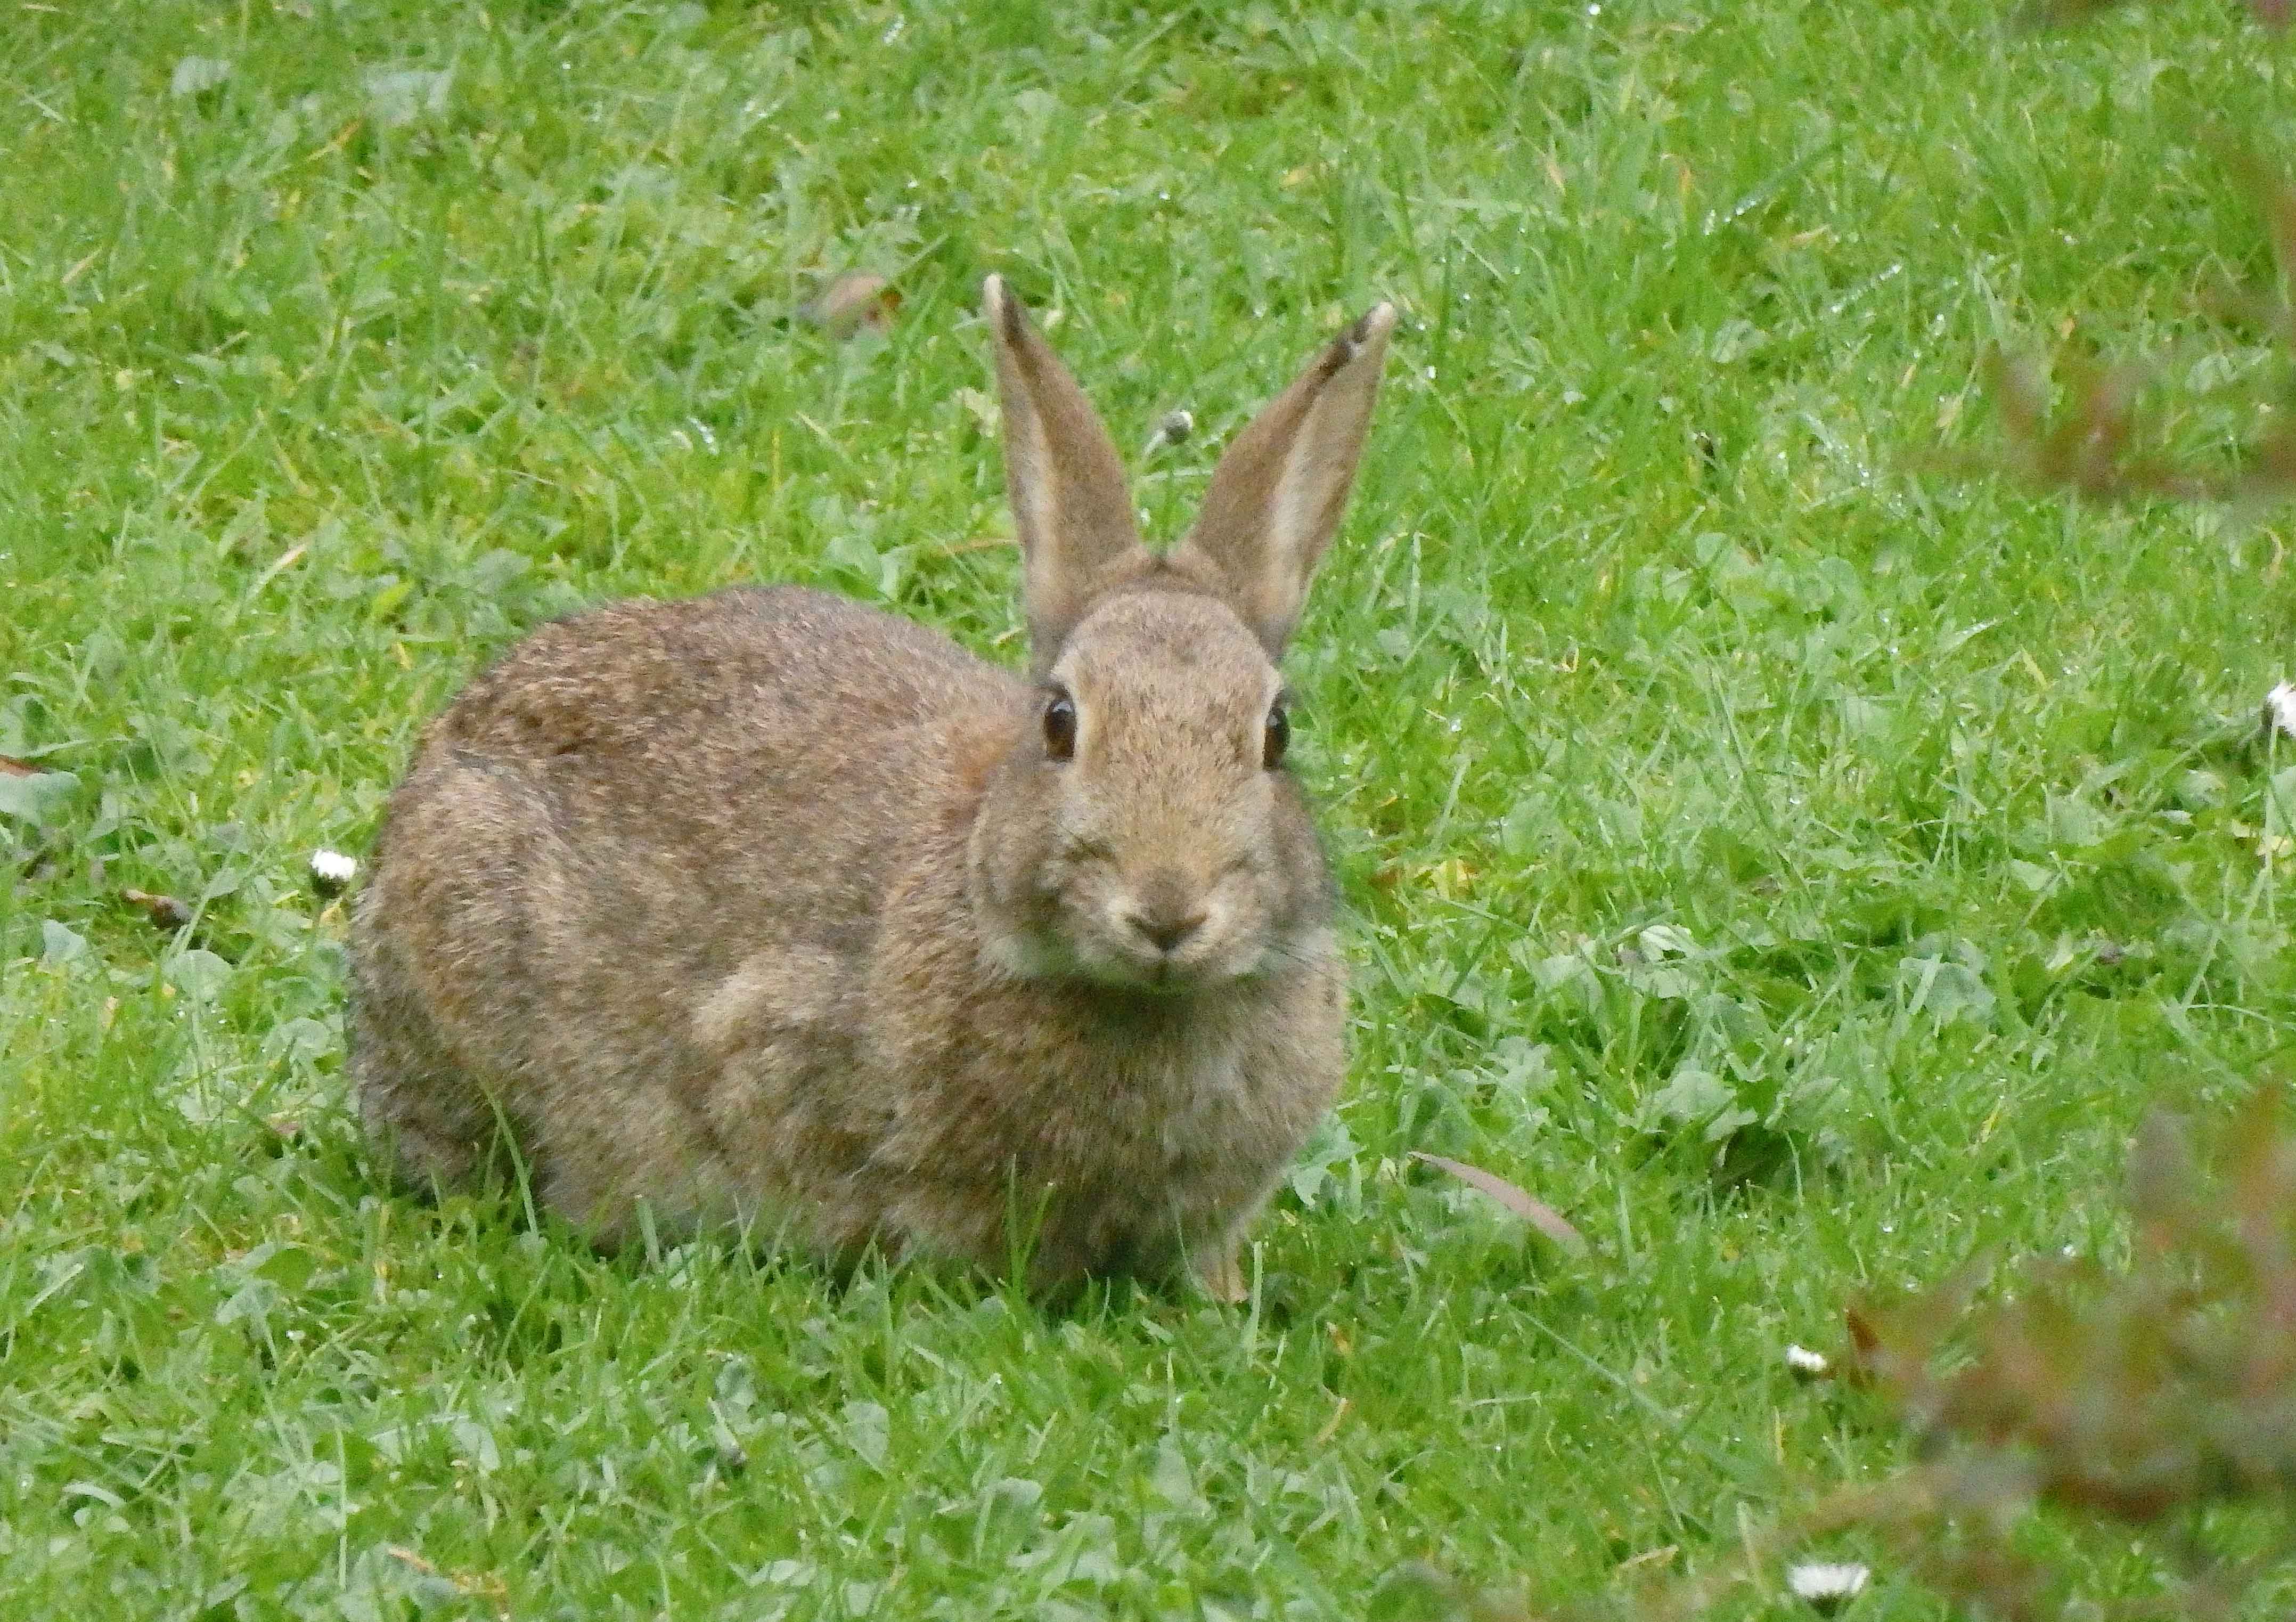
{"x":330,"y":870}
{"x":1826,"y":1586}
{"x":2280,"y":710}
{"x":1805,"y":1364}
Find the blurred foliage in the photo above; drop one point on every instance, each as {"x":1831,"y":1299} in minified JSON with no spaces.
{"x":2113,"y":429}
{"x":2144,"y":1398}
{"x":2065,"y":14}
{"x":2097,"y":427}
{"x":2085,"y":1411}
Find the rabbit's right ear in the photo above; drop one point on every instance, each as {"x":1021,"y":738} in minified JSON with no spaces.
{"x":1070,"y":504}
{"x":1275,"y":498}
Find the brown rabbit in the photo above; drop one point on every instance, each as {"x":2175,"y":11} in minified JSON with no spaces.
{"x":769,"y":909}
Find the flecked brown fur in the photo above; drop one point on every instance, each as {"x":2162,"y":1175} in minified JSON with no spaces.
{"x":767,"y":908}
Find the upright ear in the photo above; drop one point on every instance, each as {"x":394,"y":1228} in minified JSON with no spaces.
{"x":1275,"y":499}
{"x":1070,"y":500}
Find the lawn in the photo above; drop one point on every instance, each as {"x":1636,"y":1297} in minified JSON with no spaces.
{"x":1797,"y":857}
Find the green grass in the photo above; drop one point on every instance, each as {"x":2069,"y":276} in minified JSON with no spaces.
{"x":1800,"y":867}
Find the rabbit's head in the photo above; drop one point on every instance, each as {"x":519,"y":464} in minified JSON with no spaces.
{"x":1141,"y":831}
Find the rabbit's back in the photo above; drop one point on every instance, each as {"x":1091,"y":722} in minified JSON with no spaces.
{"x":760,"y":688}
{"x":623,"y":903}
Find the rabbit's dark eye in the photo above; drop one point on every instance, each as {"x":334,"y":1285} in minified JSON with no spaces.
{"x":1278,"y":736}
{"x":1060,"y":726}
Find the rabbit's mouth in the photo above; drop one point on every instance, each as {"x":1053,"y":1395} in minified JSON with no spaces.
{"x":1165,"y":978}
{"x":1054,"y":954}
{"x":1164,"y":974}
{"x":1124,"y":962}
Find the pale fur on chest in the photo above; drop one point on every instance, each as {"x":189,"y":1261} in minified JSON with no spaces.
{"x":1126,"y":1131}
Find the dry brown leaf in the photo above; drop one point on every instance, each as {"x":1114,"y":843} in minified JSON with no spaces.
{"x":1540,"y":1215}
{"x":166,"y":912}
{"x":853,"y":302}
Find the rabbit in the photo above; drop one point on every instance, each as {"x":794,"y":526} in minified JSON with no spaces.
{"x":769,"y":909}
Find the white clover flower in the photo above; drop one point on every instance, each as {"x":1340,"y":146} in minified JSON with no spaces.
{"x":1826,"y":1586}
{"x":2280,"y":710}
{"x":1805,"y":1364}
{"x":330,"y":871}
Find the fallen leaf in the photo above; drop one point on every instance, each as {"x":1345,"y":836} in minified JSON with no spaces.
{"x":1865,"y":1334}
{"x":1540,"y":1215}
{"x":854,"y":301}
{"x":166,"y":912}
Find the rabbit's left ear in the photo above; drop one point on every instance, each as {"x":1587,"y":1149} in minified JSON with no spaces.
{"x":1070,"y":500}
{"x":1275,"y":499}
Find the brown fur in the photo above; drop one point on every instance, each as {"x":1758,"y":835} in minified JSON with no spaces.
{"x":767,"y":908}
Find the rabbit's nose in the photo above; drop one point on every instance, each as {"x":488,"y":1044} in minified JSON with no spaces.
{"x":1165,"y":932}
{"x":1165,"y":910}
